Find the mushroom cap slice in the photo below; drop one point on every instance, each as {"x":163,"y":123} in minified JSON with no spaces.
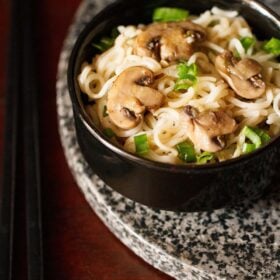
{"x":207,"y":129}
{"x":244,"y":76}
{"x":216,"y":123}
{"x":246,"y":68}
{"x":169,"y":42}
{"x":130,"y":95}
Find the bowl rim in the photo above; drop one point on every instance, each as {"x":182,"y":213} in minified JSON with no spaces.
{"x":94,"y":130}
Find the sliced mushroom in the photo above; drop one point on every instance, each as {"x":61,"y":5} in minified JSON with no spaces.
{"x":244,"y":76}
{"x":207,"y":129}
{"x":169,"y":42}
{"x":130,"y":95}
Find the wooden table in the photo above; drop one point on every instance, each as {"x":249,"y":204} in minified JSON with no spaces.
{"x":77,"y":246}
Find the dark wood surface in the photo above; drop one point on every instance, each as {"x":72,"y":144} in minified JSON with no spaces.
{"x":77,"y":246}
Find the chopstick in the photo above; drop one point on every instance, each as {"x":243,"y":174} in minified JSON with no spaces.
{"x":22,"y":83}
{"x":31,"y":144}
{"x":10,"y":162}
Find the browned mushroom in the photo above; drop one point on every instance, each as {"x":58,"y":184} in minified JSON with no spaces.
{"x":207,"y":129}
{"x":244,"y":76}
{"x":131,"y":95}
{"x":169,"y":42}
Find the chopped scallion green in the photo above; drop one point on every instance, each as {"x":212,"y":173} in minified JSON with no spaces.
{"x":186,"y":152}
{"x":187,"y":76}
{"x":106,"y":42}
{"x":264,"y":136}
{"x":247,"y":42}
{"x":109,"y":132}
{"x":141,"y":144}
{"x":186,"y":71}
{"x":252,"y":136}
{"x":165,"y":14}
{"x":204,"y":157}
{"x":248,"y":148}
{"x":182,"y":85}
{"x":257,"y":137}
{"x":272,"y":46}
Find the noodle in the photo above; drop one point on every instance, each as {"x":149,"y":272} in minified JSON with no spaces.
{"x":166,"y":126}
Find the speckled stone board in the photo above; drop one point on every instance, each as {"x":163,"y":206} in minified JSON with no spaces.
{"x":237,"y":243}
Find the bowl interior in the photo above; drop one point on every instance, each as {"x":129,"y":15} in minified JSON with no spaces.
{"x":265,"y":24}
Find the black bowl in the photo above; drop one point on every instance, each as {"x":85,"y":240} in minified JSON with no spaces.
{"x":159,"y":185}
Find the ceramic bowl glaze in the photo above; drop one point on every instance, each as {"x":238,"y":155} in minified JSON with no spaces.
{"x":159,"y":185}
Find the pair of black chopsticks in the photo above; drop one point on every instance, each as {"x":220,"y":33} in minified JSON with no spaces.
{"x":21,"y":137}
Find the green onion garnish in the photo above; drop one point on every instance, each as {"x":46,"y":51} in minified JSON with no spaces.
{"x":109,"y":132}
{"x":247,"y":42}
{"x":264,"y":136}
{"x":187,"y":76}
{"x":252,"y":136}
{"x":187,"y":72}
{"x":106,"y":42}
{"x":165,"y":14}
{"x":257,"y":137}
{"x":248,"y":148}
{"x":186,"y":152}
{"x":182,"y":85}
{"x":105,"y":112}
{"x":272,"y":46}
{"x":204,"y":157}
{"x":141,"y":144}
